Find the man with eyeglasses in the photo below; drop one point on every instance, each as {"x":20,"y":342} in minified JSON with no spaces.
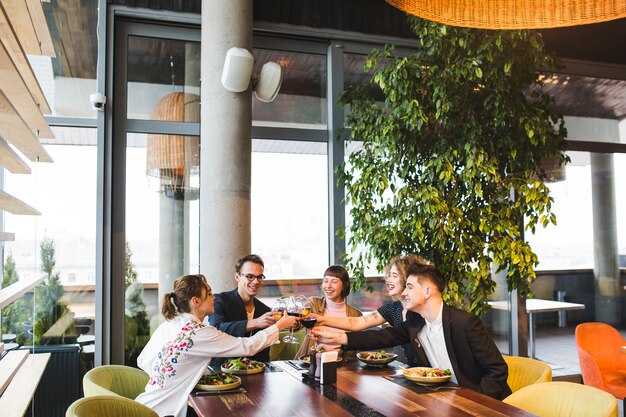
{"x":239,"y":312}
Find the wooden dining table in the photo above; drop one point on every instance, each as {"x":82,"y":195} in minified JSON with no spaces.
{"x":360,"y":390}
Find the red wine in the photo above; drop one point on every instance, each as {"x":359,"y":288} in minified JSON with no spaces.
{"x":293,"y":314}
{"x":309,"y":323}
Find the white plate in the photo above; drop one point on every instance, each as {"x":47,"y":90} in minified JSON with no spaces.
{"x":223,"y":387}
{"x":248,"y":371}
{"x":424,"y":379}
{"x":362,"y":357}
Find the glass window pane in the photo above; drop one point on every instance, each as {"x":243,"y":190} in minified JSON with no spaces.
{"x":354,"y":75}
{"x":59,"y":245}
{"x":162,"y":73}
{"x":162,"y":223}
{"x":69,"y":78}
{"x":301,"y":101}
{"x":569,"y":244}
{"x":290,"y":207}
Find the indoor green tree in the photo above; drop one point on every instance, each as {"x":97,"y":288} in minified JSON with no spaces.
{"x":450,"y":163}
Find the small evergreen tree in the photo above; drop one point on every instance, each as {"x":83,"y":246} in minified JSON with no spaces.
{"x":48,"y":305}
{"x":137,"y":327}
{"x":17,"y":312}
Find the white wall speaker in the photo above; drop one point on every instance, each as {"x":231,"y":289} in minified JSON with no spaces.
{"x":269,"y":82}
{"x":237,"y":69}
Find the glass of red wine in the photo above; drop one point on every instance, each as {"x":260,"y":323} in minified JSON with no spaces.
{"x":308,"y":322}
{"x":293,"y":309}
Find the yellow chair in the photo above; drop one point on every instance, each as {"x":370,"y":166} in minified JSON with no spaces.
{"x":108,"y":406}
{"x":116,"y":380}
{"x":564,"y":399}
{"x":526,"y":371}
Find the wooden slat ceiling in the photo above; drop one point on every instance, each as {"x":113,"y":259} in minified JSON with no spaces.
{"x":14,"y":48}
{"x":23,"y":30}
{"x":16,"y":206}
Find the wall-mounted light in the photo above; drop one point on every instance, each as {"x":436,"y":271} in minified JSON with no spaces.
{"x":237,"y":73}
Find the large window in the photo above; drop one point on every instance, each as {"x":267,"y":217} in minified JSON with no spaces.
{"x":162,"y":219}
{"x":60,"y":244}
{"x":290,"y":207}
{"x":569,"y":244}
{"x":301,"y":101}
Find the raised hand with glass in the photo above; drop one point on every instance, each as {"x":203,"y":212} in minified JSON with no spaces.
{"x":294,"y":308}
{"x":278,"y":310}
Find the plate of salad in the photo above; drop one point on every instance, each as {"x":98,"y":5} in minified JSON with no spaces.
{"x":243,"y":366}
{"x":218,"y":381}
{"x":376,"y":358}
{"x":423,"y":375}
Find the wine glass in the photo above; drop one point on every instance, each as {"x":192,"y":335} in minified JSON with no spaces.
{"x":278,"y":310}
{"x":308,"y":322}
{"x":293,"y":309}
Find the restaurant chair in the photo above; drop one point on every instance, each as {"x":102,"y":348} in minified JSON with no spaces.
{"x":115,"y":380}
{"x":602,"y":364}
{"x":108,"y":406}
{"x":526,"y":371}
{"x":564,"y":399}
{"x":287,"y":351}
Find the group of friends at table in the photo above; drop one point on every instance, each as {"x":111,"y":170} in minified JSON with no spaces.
{"x":431,"y":333}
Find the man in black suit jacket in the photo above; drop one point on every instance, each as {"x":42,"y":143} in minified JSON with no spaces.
{"x":443,"y":336}
{"x":238,"y":312}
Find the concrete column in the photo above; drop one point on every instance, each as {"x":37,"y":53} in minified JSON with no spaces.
{"x":605,"y":251}
{"x":172,"y":233}
{"x":226,"y":144}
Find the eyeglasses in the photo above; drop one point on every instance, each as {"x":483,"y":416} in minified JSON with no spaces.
{"x":251,"y":277}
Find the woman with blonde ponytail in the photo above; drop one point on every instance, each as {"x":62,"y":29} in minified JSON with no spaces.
{"x":181,"y":348}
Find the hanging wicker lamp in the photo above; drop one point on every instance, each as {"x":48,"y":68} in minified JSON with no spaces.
{"x":514,"y":14}
{"x":173,"y":158}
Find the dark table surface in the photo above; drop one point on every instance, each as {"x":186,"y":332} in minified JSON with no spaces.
{"x":360,"y":391}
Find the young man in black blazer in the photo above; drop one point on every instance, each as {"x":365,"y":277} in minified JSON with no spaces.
{"x":443,"y":336}
{"x":239,"y":312}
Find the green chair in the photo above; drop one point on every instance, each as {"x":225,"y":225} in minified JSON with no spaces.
{"x":526,"y":371}
{"x":116,"y":380}
{"x":564,"y":399}
{"x":286,"y":351}
{"x":108,"y":406}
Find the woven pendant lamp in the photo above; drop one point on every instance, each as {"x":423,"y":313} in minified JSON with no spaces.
{"x":173,"y":158}
{"x":514,"y":14}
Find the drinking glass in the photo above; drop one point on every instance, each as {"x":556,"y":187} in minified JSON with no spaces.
{"x":293,"y":309}
{"x":308,"y":322}
{"x":278,"y":310}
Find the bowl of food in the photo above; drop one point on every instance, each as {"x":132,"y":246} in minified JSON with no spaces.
{"x":376,"y":358}
{"x":427,"y":376}
{"x":243,"y":366}
{"x":306,"y":359}
{"x":218,"y":381}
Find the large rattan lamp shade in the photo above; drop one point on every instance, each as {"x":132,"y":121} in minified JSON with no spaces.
{"x":173,"y":158}
{"x":514,"y":14}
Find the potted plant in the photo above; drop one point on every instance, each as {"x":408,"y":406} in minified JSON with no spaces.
{"x":450,"y":163}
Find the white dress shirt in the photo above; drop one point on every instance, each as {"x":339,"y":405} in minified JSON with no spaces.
{"x":434,"y":344}
{"x":178,"y":353}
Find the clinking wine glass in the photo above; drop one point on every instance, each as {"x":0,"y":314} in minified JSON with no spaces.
{"x":278,"y":310}
{"x":293,"y":309}
{"x":308,"y":322}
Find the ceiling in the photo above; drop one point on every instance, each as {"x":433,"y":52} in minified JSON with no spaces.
{"x":73,"y":27}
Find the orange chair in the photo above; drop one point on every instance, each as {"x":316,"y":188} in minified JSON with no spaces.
{"x":602,"y":364}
